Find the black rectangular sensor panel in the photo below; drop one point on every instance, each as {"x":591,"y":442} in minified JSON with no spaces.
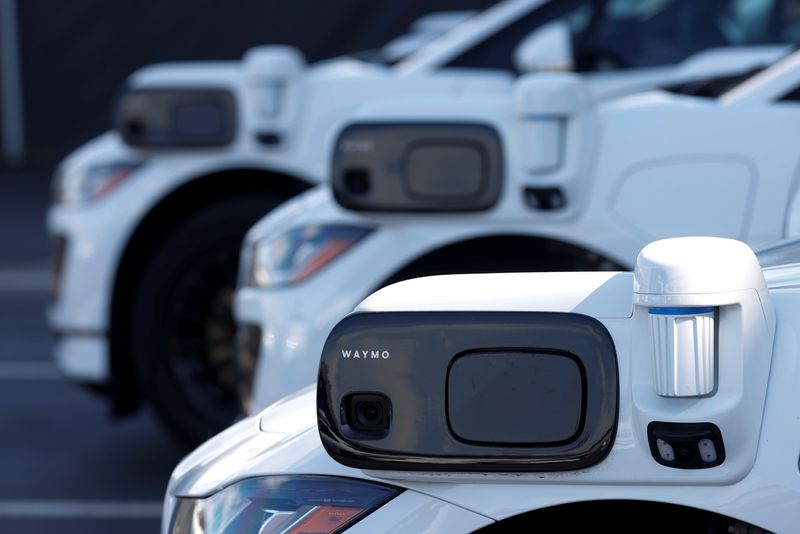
{"x":468,"y":391}
{"x":515,"y":397}
{"x":411,"y":167}
{"x":172,"y":118}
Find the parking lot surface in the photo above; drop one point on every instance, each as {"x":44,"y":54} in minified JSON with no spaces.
{"x":67,"y":466}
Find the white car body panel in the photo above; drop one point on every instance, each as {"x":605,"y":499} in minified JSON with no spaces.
{"x":413,"y":511}
{"x":755,"y":405}
{"x":706,"y":166}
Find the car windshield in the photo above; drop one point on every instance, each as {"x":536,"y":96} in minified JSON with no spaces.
{"x":421,"y":32}
{"x":713,"y":86}
{"x":659,"y":32}
{"x":620,"y":34}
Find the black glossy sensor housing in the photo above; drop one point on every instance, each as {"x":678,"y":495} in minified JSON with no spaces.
{"x":417,"y":167}
{"x":468,"y":391}
{"x":166,"y":118}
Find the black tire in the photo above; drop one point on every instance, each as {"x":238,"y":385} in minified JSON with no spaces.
{"x":182,"y":327}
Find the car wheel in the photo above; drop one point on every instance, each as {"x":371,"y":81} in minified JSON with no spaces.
{"x":183,"y":332}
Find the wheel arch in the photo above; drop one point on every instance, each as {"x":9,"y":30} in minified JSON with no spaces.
{"x":504,"y":252}
{"x":658,"y":515}
{"x":175,"y":206}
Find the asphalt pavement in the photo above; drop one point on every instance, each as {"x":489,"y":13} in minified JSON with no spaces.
{"x":67,"y":466}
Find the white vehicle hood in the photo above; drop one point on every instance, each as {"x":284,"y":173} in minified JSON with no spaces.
{"x":344,"y":67}
{"x":281,"y":439}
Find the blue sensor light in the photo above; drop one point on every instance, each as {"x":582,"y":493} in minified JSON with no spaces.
{"x":680,"y":311}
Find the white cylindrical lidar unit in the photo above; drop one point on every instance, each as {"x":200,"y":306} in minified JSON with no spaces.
{"x":685,"y":285}
{"x":683,"y":351}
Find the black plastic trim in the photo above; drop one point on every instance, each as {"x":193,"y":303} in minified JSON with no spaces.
{"x":685,"y":433}
{"x":545,"y":198}
{"x":582,"y":416}
{"x":269,"y":138}
{"x":150,"y":118}
{"x":373,"y":167}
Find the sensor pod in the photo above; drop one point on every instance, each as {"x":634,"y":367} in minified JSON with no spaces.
{"x":683,"y":351}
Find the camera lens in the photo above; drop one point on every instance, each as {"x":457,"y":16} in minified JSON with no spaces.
{"x":357,"y":181}
{"x":684,"y":452}
{"x":368,"y":412}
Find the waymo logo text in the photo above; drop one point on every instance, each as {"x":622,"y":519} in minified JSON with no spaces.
{"x":357,"y":354}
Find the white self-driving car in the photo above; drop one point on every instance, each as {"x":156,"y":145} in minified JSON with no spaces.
{"x":186,"y":163}
{"x":544,"y":181}
{"x":149,"y":218}
{"x":663,"y":400}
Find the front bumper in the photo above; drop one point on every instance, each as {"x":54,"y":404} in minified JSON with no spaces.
{"x":83,"y":357}
{"x":83,"y":271}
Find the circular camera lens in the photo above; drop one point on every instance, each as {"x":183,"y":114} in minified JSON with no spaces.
{"x":369,"y":413}
{"x":135,"y":127}
{"x":356,"y":181}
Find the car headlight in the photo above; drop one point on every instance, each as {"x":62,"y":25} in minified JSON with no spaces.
{"x":91,"y":183}
{"x":281,"y":504}
{"x":295,"y":255}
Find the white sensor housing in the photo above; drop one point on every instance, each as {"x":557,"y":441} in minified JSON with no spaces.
{"x":682,"y":282}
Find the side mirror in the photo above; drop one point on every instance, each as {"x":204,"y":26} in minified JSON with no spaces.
{"x":549,"y":48}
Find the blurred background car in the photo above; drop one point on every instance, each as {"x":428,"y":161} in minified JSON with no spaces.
{"x":586,"y":194}
{"x":148,"y":218}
